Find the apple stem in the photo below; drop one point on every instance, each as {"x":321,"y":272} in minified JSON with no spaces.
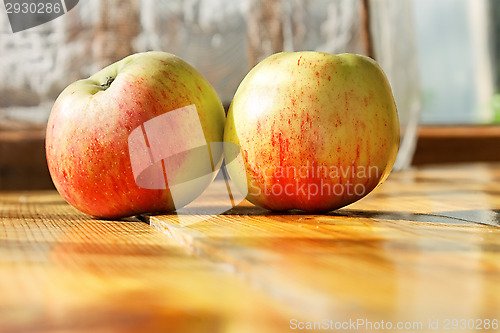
{"x":108,"y":82}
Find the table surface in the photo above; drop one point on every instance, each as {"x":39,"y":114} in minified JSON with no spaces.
{"x":420,"y":251}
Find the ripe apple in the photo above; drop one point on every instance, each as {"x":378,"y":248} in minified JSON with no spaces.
{"x":118,"y":142}
{"x":316,"y":131}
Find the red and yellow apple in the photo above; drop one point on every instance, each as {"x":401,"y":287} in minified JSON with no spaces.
{"x":118,"y":142}
{"x":316,"y":131}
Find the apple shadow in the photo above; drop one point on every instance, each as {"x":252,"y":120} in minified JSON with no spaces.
{"x":458,"y":217}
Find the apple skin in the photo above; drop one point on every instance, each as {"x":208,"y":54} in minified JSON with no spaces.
{"x":88,"y":129}
{"x":316,"y":131}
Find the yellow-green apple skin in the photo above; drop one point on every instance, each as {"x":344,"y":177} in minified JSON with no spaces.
{"x":90,"y":123}
{"x":316,"y":131}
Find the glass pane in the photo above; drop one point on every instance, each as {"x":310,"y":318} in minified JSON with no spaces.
{"x":456,"y":68}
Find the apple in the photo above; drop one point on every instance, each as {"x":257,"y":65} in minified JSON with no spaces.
{"x":120,"y":142}
{"x":316,"y":131}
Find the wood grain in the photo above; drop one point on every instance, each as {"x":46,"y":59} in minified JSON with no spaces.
{"x":61,"y":271}
{"x":457,"y":144}
{"x":395,"y":255}
{"x":22,"y":157}
{"x":424,"y":246}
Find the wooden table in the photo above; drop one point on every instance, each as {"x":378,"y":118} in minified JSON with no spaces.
{"x":421,"y":251}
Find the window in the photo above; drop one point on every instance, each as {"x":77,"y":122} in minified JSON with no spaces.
{"x":456,"y":56}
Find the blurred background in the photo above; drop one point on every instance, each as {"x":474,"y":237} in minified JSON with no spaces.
{"x":441,"y":57}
